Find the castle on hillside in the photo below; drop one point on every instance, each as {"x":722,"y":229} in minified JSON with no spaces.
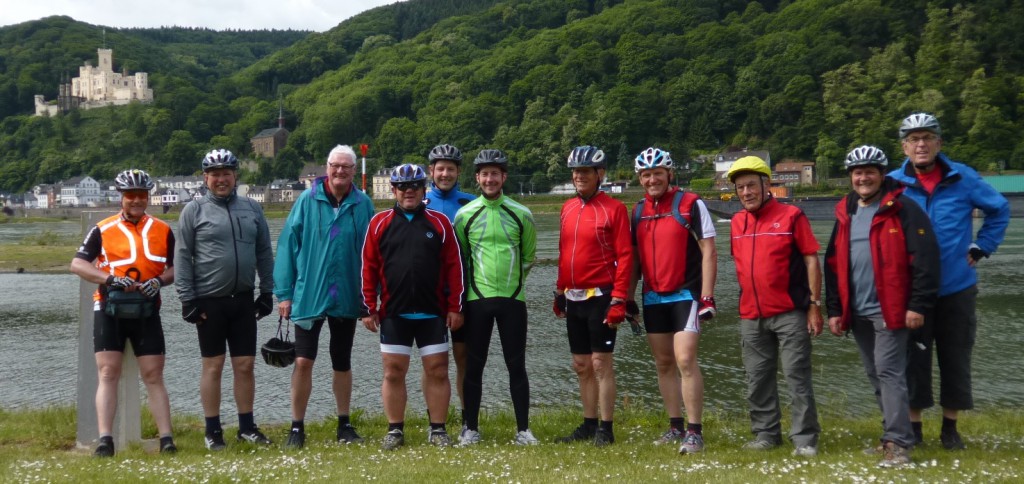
{"x":98,"y":86}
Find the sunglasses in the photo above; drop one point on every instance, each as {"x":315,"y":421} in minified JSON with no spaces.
{"x":409,"y":185}
{"x":134,"y":195}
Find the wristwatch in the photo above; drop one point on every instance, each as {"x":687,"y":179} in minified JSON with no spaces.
{"x":816,"y":302}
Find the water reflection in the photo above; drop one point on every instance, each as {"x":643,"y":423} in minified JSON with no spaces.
{"x":38,"y":324}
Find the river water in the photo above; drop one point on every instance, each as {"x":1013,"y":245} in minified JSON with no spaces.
{"x":39,"y":332}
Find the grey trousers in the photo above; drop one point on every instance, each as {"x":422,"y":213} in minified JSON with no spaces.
{"x":763,"y":340}
{"x":884,"y":354}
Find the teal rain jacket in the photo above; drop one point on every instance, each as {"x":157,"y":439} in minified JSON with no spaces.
{"x":318,"y":255}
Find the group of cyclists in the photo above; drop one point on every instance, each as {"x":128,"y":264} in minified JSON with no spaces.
{"x":442,"y":268}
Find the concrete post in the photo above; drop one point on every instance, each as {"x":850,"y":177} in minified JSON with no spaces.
{"x":128,"y":419}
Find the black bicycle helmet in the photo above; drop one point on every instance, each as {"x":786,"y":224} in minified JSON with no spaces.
{"x":586,"y":156}
{"x":133,"y":180}
{"x":445,"y":152}
{"x":219,"y":158}
{"x":491,"y":157}
{"x":278,"y":351}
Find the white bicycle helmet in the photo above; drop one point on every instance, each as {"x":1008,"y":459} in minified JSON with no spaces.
{"x":653,"y":158}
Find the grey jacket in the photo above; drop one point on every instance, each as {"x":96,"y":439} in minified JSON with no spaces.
{"x":222,"y":245}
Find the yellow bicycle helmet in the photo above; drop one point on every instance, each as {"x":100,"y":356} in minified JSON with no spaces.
{"x":750,"y":164}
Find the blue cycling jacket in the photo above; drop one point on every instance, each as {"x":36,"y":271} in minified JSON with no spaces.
{"x":950,"y":209}
{"x":448,"y":202}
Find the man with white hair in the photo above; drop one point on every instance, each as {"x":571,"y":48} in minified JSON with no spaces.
{"x":316,"y":279}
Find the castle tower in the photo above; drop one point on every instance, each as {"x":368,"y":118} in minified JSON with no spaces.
{"x":106,"y":60}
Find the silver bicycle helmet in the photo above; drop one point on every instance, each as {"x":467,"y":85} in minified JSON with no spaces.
{"x":133,"y":180}
{"x":866,"y":155}
{"x":919,"y":122}
{"x":219,"y":158}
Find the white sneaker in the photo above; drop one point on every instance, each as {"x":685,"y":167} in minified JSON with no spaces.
{"x":526,"y":437}
{"x":469,"y":437}
{"x":805,"y":451}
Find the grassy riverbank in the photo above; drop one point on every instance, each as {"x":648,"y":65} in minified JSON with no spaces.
{"x":38,"y":446}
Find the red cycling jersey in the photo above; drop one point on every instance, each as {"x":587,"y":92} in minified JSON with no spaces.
{"x":768,"y":247}
{"x":594,"y":247}
{"x":670,"y":258}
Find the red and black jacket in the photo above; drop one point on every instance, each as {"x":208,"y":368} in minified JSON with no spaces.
{"x":670,"y":257}
{"x":904,"y":256}
{"x":594,"y":246}
{"x":415,"y":264}
{"x":768,"y":247}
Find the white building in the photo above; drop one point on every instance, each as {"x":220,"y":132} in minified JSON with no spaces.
{"x":101,"y":86}
{"x":80,"y":191}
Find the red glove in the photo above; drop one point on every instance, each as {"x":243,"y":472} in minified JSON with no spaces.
{"x":558,"y":306}
{"x":616,"y":314}
{"x":706,"y":308}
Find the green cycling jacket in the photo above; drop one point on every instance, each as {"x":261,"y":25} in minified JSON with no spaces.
{"x":498,"y":240}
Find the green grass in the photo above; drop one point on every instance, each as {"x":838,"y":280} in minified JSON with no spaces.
{"x":38,"y":446}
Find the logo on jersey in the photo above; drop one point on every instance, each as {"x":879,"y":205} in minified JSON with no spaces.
{"x":430,"y":235}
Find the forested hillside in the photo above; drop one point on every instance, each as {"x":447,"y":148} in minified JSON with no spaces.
{"x":806,"y":79}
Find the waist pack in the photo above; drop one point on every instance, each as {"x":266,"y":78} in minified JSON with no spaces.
{"x":129,"y":305}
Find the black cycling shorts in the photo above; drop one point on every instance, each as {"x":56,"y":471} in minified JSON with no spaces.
{"x":343,"y":331}
{"x":397,"y":335}
{"x":671,"y":317}
{"x":146,"y":335}
{"x":584,"y":321}
{"x":230,"y":325}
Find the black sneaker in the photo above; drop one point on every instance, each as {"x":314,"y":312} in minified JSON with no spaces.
{"x":253,"y":436}
{"x":393,"y":440}
{"x":603,"y":437}
{"x":167,"y":446}
{"x":105,"y":447}
{"x":215,"y":440}
{"x":347,"y":435}
{"x":583,"y":432}
{"x":296,"y":439}
{"x":951,"y":440}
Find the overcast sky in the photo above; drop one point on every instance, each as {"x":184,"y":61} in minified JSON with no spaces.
{"x":318,"y":15}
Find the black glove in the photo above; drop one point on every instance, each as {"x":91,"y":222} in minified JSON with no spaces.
{"x":191,"y":312}
{"x":120,"y":282}
{"x":633,"y":316}
{"x":264,"y":304}
{"x":558,"y":306}
{"x":976,"y":253}
{"x":151,"y":288}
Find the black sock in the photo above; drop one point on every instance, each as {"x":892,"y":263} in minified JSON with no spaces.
{"x":590,"y":423}
{"x":606,"y":425}
{"x":166,"y":440}
{"x":676,"y":423}
{"x":246,"y":422}
{"x":695,"y":428}
{"x":948,"y":424}
{"x":437,"y":426}
{"x":918,"y":432}
{"x":299,"y":425}
{"x":343,"y":420}
{"x":396,"y":426}
{"x":213,"y":424}
{"x":106,"y":439}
